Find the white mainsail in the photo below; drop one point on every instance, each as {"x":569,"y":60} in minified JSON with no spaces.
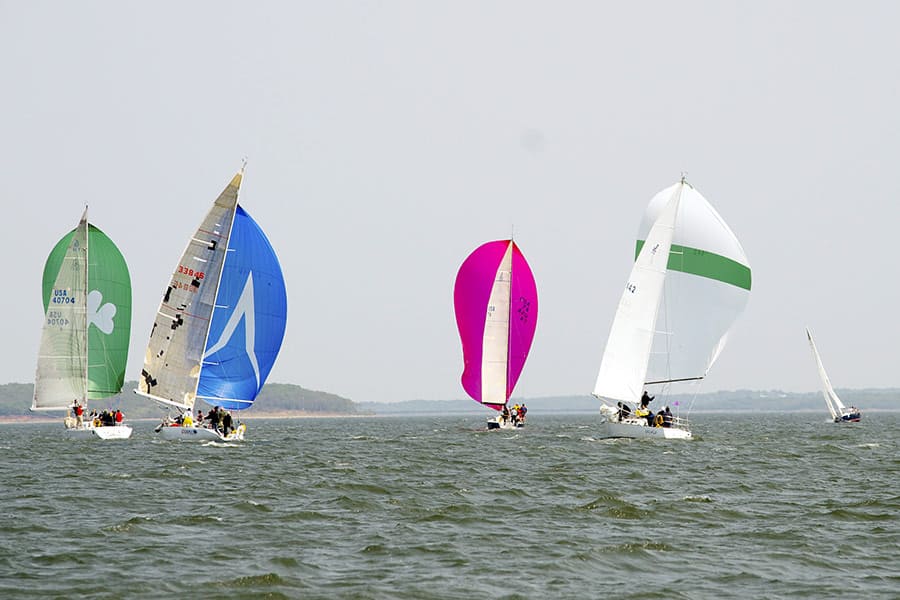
{"x":61,"y":376}
{"x":174,"y":356}
{"x":834,"y":404}
{"x":625,"y":359}
{"x":495,"y":346}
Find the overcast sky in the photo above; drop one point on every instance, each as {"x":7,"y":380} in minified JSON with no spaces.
{"x":386,"y":140}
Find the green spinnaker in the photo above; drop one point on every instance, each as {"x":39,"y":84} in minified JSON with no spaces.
{"x":109,"y":309}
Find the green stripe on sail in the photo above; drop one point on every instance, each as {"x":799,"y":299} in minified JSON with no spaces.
{"x":705,"y":264}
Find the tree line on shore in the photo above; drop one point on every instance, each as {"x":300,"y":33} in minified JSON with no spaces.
{"x":284,"y":398}
{"x":275,"y":398}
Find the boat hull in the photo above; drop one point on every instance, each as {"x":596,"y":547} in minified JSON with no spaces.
{"x":608,"y":429}
{"x":849,"y":418}
{"x":498,"y":423}
{"x":104,"y":432}
{"x":200,"y":434}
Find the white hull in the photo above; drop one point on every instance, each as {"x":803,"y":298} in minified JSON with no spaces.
{"x":200,"y":434}
{"x":609,"y":429}
{"x":498,"y":423}
{"x":104,"y":432}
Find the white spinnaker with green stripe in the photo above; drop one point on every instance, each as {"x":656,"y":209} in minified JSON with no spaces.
{"x":706,"y":288}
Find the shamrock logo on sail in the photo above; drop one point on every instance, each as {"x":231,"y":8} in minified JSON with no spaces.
{"x":100,"y":314}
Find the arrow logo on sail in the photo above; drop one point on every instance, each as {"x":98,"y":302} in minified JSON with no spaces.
{"x":243,"y":309}
{"x":101,"y":315}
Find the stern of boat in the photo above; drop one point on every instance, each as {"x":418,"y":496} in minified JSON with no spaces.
{"x":112,"y":432}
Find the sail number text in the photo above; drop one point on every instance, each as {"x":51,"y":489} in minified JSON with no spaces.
{"x":57,"y":318}
{"x":178,"y":285}
{"x":62,"y":297}
{"x":190,"y":272}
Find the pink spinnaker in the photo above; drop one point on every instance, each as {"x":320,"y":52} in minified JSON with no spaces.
{"x":472,"y":301}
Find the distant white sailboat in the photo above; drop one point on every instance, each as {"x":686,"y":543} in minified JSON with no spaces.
{"x":839,"y":412}
{"x":689,"y":283}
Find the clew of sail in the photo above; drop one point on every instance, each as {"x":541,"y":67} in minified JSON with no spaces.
{"x":706,"y":288}
{"x":624,"y":364}
{"x":495,"y":299}
{"x":222,"y":318}
{"x":87,"y":320}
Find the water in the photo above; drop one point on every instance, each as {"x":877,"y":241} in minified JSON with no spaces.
{"x":759,"y":506}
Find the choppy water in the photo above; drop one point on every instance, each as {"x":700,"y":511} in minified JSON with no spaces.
{"x":759,"y":506}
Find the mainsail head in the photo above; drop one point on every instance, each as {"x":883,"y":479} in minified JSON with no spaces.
{"x":496,"y":304}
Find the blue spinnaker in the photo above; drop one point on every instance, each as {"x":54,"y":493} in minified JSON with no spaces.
{"x":248,"y":322}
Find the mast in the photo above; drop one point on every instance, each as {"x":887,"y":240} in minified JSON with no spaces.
{"x":86,"y":273}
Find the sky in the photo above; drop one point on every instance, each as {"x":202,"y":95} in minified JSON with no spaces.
{"x":386,"y":140}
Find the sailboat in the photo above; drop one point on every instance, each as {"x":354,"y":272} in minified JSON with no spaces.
{"x":495,"y":298}
{"x":839,"y":412}
{"x":87,"y":326}
{"x":689,"y":283}
{"x":220,"y":323}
